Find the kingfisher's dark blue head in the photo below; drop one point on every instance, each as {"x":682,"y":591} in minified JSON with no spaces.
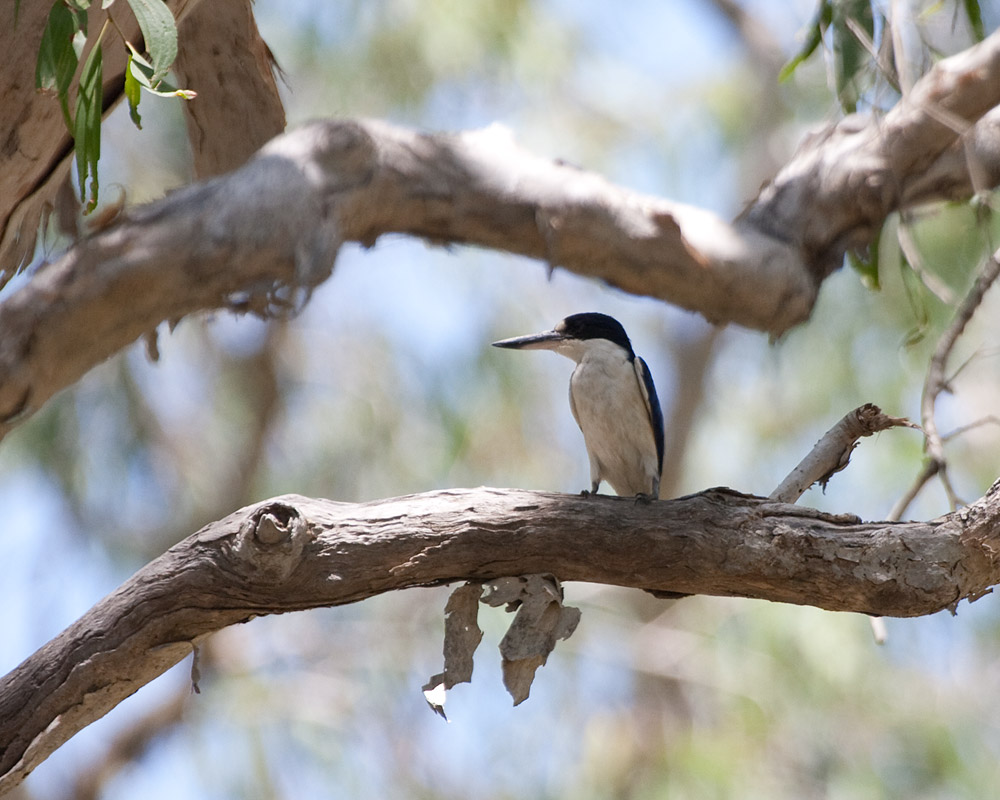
{"x":570,"y":336}
{"x":592,"y":325}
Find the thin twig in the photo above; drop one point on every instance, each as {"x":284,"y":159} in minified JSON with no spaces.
{"x":980,"y":353}
{"x":929,"y":470}
{"x":935,"y":285}
{"x":987,"y":420}
{"x":936,"y":381}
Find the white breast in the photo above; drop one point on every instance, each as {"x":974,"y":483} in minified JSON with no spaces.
{"x":610,"y":410}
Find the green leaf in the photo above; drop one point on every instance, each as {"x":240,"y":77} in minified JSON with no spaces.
{"x":816,"y":29}
{"x":87,"y":124}
{"x":139,"y":59}
{"x":57,"y":60}
{"x":164,"y":89}
{"x":850,"y":56}
{"x":159,"y":30}
{"x":133,"y":93}
{"x":975,"y":15}
{"x":80,"y":18}
{"x":79,"y":8}
{"x":141,"y":71}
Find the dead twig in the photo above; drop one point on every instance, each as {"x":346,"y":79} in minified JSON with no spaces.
{"x":833,"y":452}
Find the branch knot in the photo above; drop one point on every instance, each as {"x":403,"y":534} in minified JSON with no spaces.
{"x":272,"y":524}
{"x":272,"y":540}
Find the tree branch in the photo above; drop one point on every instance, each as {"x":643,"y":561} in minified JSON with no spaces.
{"x":292,"y":553}
{"x":832,"y":453}
{"x":883,"y":164}
{"x":245,"y":241}
{"x":937,"y":381}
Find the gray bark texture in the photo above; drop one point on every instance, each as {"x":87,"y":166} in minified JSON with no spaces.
{"x":292,"y":553}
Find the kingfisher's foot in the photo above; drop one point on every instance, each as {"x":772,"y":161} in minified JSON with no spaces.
{"x":645,"y":498}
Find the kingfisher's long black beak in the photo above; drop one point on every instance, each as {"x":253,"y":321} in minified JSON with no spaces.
{"x":547,"y":340}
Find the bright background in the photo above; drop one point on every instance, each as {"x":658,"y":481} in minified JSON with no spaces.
{"x":385,"y":384}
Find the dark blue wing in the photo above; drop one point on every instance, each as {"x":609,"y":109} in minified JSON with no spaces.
{"x":652,"y":406}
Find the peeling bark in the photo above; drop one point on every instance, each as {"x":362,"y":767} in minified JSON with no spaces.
{"x":251,"y":240}
{"x":292,"y":553}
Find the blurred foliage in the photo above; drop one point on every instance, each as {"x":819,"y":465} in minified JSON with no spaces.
{"x":872,"y":59}
{"x":870,"y":53}
{"x":385,"y":384}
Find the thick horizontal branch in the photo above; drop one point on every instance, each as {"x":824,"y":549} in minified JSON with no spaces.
{"x":242,"y":240}
{"x":246,"y":241}
{"x":292,"y":553}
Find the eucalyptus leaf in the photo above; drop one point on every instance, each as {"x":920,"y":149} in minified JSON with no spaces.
{"x":141,"y":72}
{"x":824,"y":14}
{"x":851,"y":57}
{"x":159,"y":31}
{"x":57,"y":60}
{"x":975,"y":15}
{"x":133,"y":93}
{"x":87,"y":125}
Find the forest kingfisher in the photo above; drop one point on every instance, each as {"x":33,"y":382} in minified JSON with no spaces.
{"x":613,"y":399}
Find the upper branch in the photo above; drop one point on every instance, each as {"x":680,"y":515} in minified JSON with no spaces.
{"x":292,"y":553}
{"x":241,"y":241}
{"x":836,"y":192}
